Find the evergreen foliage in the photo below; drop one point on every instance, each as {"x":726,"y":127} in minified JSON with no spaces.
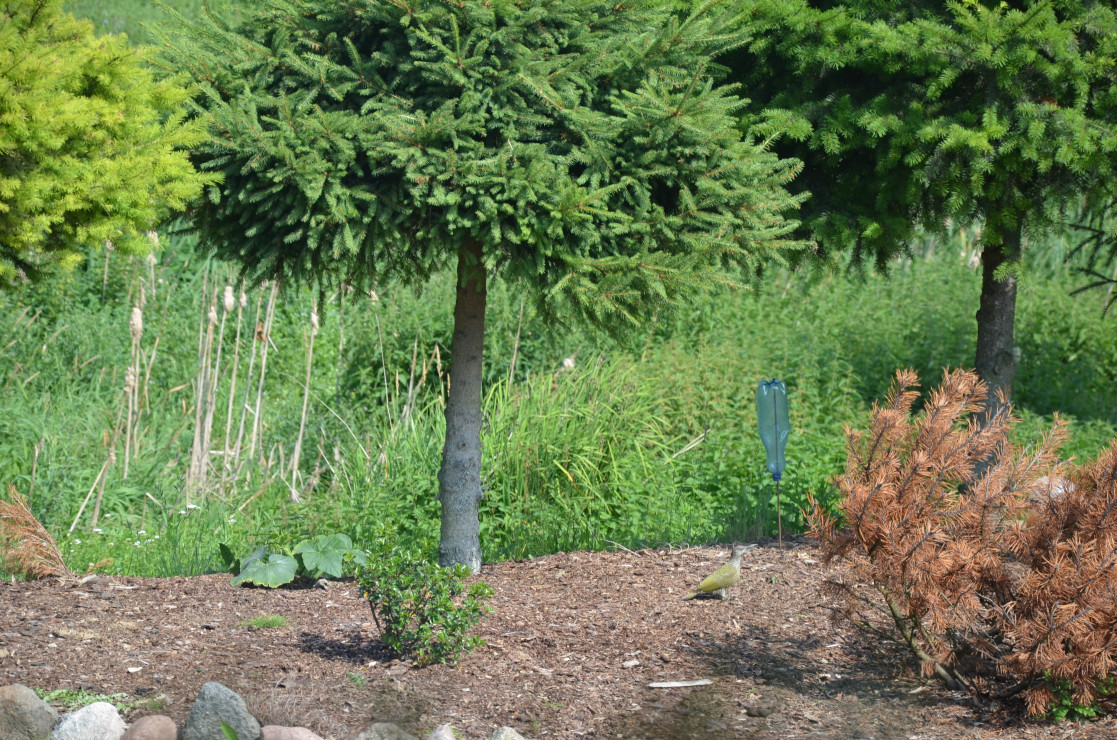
{"x":926,"y":114}
{"x":932,"y":115}
{"x":577,"y":148}
{"x":90,"y":141}
{"x":582,"y":142}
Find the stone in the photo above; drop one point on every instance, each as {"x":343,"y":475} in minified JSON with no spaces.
{"x":152,"y":727}
{"x":23,"y":715}
{"x":275,"y":732}
{"x":506,"y":733}
{"x":96,"y":721}
{"x":442,"y":732}
{"x":385,"y":731}
{"x":216,"y":704}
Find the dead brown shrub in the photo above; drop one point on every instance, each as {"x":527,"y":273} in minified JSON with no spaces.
{"x":26,"y":547}
{"x":990,"y":559}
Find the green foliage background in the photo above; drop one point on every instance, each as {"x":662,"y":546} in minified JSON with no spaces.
{"x":641,"y":443}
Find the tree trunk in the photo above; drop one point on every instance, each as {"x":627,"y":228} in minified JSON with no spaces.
{"x":459,"y":479}
{"x":996,"y":354}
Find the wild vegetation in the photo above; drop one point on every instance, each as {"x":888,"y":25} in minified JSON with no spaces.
{"x":587,"y":441}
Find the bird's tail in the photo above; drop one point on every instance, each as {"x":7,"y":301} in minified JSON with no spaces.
{"x":691,"y":595}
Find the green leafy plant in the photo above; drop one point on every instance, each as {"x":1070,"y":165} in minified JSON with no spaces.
{"x":1065,"y":705}
{"x":68,"y":700}
{"x":71,"y":699}
{"x":416,"y":607}
{"x":229,"y":732}
{"x":316,"y":557}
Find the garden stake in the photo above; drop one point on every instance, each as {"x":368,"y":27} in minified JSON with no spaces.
{"x":771,"y":413}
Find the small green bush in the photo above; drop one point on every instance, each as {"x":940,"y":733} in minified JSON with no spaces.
{"x":413,"y":605}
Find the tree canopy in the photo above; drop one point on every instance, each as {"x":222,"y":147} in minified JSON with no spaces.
{"x":579,"y":148}
{"x":91,"y":141}
{"x":582,"y":142}
{"x":932,"y":115}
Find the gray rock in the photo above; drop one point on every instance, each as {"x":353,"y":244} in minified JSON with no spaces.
{"x":216,"y":704}
{"x":506,"y":733}
{"x":275,"y":732}
{"x":152,"y":727}
{"x":442,"y":732}
{"x":385,"y":731}
{"x":96,"y":721}
{"x":23,"y":715}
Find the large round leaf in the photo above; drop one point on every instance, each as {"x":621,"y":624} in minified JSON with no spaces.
{"x":322,"y":555}
{"x":271,"y":571}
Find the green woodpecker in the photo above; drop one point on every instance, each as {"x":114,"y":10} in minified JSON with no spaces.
{"x":717,"y":582}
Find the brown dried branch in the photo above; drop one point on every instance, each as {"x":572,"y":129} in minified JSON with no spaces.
{"x":26,"y":547}
{"x":979,"y":547}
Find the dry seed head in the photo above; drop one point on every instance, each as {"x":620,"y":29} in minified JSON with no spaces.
{"x":243,"y":298}
{"x":230,"y":302}
{"x":136,"y":323}
{"x":129,"y":379}
{"x":313,"y":321}
{"x":153,"y":238}
{"x":109,"y":245}
{"x":150,"y":259}
{"x":212,"y":314}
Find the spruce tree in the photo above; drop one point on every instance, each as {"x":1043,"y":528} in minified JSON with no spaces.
{"x":934,"y":115}
{"x":578,"y":148}
{"x":91,"y":141}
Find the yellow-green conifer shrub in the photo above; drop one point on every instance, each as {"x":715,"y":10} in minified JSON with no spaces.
{"x":92,"y":141}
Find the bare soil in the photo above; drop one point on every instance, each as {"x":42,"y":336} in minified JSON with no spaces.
{"x":572,"y":645}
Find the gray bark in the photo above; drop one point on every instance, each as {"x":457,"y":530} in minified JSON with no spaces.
{"x":996,"y":357}
{"x":459,"y":479}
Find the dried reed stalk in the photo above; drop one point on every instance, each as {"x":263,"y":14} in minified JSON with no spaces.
{"x":196,"y":471}
{"x":225,"y":466}
{"x":265,"y":339}
{"x":26,"y":547}
{"x":306,"y":400}
{"x":244,"y":407}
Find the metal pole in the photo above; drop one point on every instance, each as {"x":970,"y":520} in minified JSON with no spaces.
{"x":779,"y":514}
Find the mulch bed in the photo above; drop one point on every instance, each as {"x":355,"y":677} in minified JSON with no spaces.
{"x":572,"y":645}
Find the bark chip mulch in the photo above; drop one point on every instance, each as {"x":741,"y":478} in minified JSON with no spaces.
{"x":573,"y":643}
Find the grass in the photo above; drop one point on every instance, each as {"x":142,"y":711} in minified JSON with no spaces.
{"x":266,"y":622}
{"x":69,"y":700}
{"x":135,"y":17}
